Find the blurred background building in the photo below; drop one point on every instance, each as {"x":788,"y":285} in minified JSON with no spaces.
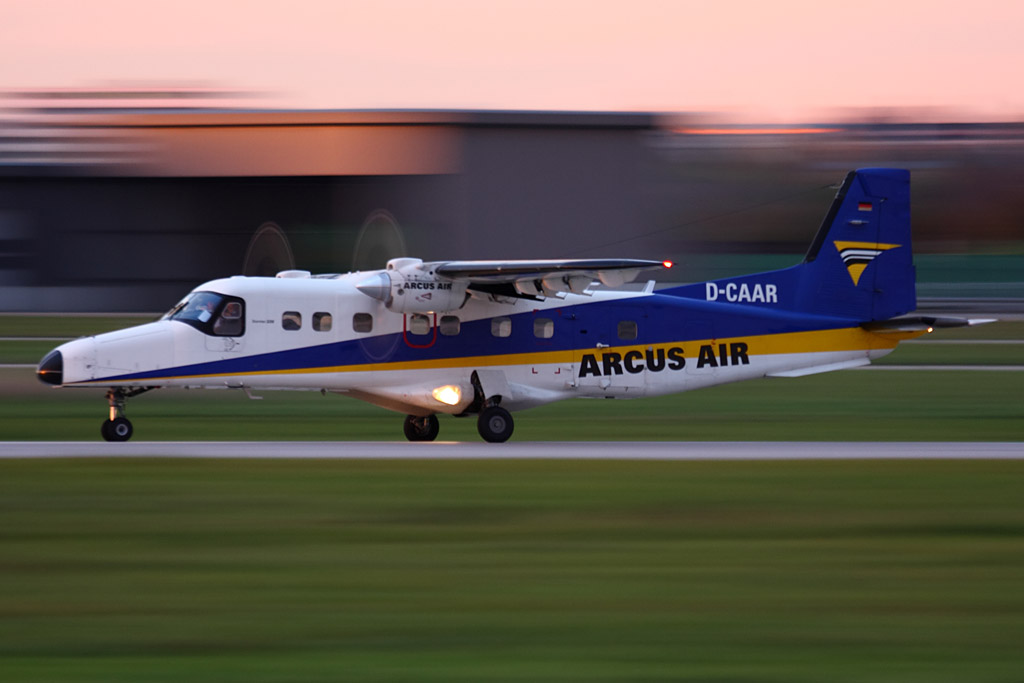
{"x":125,"y":200}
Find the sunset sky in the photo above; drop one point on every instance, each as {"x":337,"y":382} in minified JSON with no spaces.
{"x":780,"y":61}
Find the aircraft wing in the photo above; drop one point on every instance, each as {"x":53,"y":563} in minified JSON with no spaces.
{"x":545,"y":277}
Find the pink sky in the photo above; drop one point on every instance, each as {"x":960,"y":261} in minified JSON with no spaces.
{"x":785,"y":60}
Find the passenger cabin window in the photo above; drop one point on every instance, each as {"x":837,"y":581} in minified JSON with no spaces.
{"x":450,"y":325}
{"x":362,"y":322}
{"x":501,"y":327}
{"x":211,"y":313}
{"x":543,"y":328}
{"x":291,"y":320}
{"x":322,"y":322}
{"x":419,"y":324}
{"x":627,"y":329}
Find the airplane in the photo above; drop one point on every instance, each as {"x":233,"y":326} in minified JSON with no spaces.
{"x":488,"y":338}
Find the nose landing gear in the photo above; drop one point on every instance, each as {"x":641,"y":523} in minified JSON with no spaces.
{"x":117,"y":427}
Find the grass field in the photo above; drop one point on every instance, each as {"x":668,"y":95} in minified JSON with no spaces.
{"x":264,"y":571}
{"x":252,"y":571}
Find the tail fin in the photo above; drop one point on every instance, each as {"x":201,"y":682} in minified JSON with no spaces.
{"x":859,"y":266}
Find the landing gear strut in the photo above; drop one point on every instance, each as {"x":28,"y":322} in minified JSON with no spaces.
{"x":118,"y":427}
{"x":421,"y":428}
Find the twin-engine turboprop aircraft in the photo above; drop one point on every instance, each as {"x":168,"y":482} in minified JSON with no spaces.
{"x":489,"y":337}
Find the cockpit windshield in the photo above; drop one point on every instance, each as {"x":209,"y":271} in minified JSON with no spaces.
{"x":211,"y":313}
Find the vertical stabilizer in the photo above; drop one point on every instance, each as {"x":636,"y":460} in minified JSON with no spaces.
{"x":860,"y":264}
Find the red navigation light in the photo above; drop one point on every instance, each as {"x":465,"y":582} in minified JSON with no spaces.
{"x":667,"y":264}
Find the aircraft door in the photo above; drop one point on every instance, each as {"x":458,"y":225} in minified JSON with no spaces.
{"x":419,"y":330}
{"x":607,"y":360}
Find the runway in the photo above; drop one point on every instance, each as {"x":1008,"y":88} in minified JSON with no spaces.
{"x":440,"y":450}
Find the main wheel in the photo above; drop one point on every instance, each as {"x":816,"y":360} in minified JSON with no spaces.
{"x":495,"y":424}
{"x":118,"y":429}
{"x":421,"y":428}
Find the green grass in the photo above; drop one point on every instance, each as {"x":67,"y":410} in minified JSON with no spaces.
{"x":20,"y":351}
{"x":67,"y":326}
{"x":158,"y":570}
{"x":911,"y":353}
{"x":857,"y":405}
{"x":1001,"y":329}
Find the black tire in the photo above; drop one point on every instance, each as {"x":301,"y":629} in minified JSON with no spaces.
{"x":421,"y":428}
{"x":119,"y":429}
{"x":495,"y":424}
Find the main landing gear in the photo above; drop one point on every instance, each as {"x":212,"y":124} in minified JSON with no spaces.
{"x":421,"y":428}
{"x":494,"y":424}
{"x":118,"y":427}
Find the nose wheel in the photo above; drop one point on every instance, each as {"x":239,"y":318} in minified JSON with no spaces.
{"x":117,"y":427}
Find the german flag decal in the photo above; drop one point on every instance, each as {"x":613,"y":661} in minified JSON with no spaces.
{"x":857,"y":255}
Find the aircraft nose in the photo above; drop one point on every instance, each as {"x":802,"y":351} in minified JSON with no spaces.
{"x":51,"y":368}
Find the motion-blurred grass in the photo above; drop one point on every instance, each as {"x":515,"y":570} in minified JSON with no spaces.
{"x":159,"y":570}
{"x":67,"y":326}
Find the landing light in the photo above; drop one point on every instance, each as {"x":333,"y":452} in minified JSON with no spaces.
{"x":448,"y":394}
{"x":667,"y":264}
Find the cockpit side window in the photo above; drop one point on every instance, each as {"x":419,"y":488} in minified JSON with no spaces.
{"x":230,"y":322}
{"x":211,"y":313}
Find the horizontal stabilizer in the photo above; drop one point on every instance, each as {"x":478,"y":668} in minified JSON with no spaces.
{"x":921,"y":324}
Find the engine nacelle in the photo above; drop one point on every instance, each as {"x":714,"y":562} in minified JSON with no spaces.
{"x":407,"y":286}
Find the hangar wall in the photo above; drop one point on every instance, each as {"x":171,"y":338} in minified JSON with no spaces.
{"x":179,"y":198}
{"x":128,"y":210}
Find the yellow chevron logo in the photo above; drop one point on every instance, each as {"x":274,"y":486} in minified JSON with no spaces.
{"x":857,"y":255}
